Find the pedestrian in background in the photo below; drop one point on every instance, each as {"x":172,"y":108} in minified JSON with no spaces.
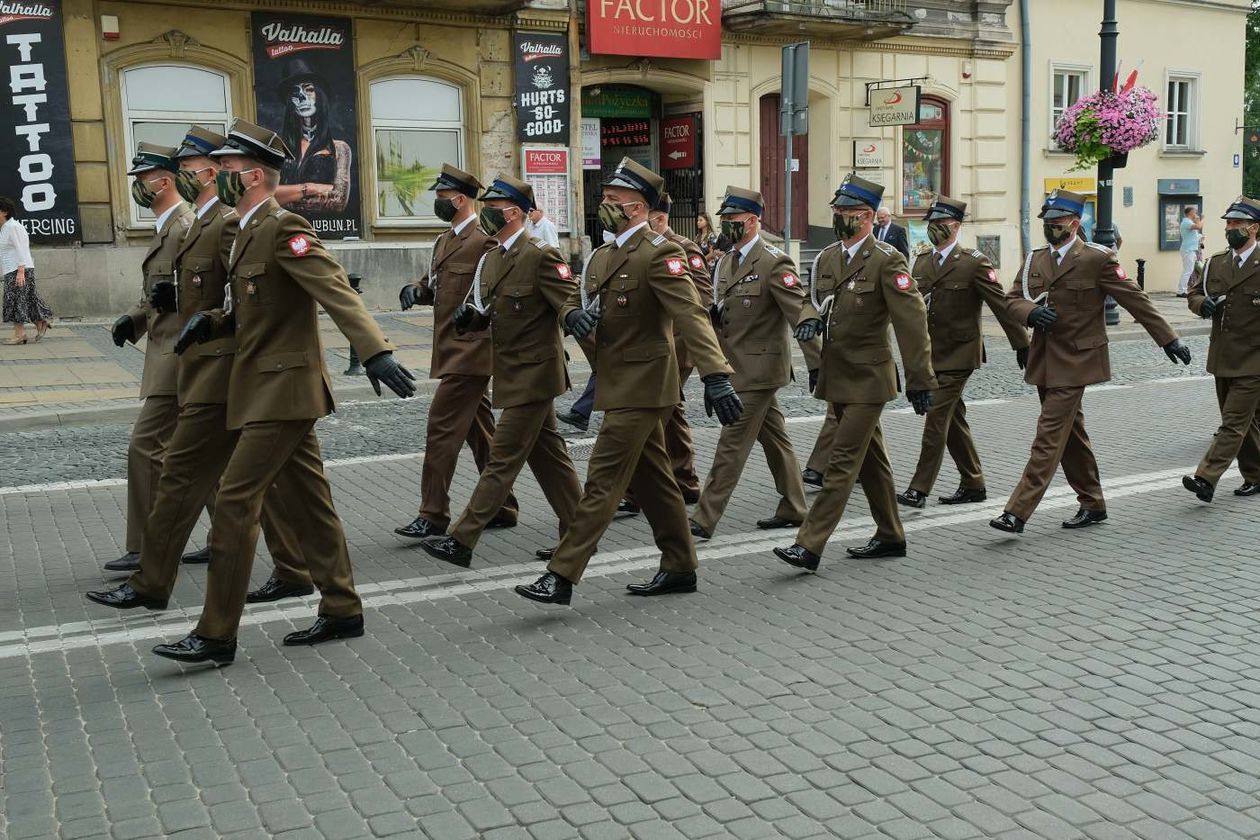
{"x":539,"y":226}
{"x":1191,"y":239}
{"x":22,"y":302}
{"x":886,"y":230}
{"x":706,"y":236}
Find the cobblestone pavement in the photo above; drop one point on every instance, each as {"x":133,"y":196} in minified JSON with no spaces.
{"x":1100,"y":684}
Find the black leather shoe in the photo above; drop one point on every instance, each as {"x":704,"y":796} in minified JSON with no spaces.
{"x":813,"y":478}
{"x":196,"y":558}
{"x":545,"y":553}
{"x":698,"y":531}
{"x":690,"y":497}
{"x":912,"y":498}
{"x":964,"y":496}
{"x":449,"y":549}
{"x":325,"y":629}
{"x":577,"y":421}
{"x":498,"y":522}
{"x":129,"y":562}
{"x":1085,"y":518}
{"x":777,"y":522}
{"x":1248,"y":489}
{"x":125,"y":598}
{"x":274,"y":590}
{"x":419,"y":528}
{"x":1198,"y":487}
{"x":193,"y":649}
{"x":1008,"y":522}
{"x":628,"y":507}
{"x":548,"y":589}
{"x":798,"y":556}
{"x":664,"y":583}
{"x":876,"y":549}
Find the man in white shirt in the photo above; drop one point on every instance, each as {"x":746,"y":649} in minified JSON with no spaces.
{"x":540,"y":227}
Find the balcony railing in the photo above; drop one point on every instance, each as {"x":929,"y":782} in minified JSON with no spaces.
{"x":857,"y":19}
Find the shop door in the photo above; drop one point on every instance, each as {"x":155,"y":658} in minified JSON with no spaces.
{"x":772,"y":148}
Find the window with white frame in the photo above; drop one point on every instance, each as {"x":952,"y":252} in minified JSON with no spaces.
{"x":161,"y":102}
{"x":1179,"y":128}
{"x":412,"y":143}
{"x":1068,"y":84}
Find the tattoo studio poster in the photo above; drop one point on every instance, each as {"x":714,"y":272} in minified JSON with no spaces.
{"x":304,"y":84}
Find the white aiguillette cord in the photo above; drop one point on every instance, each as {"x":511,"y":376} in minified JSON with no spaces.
{"x":1219,"y":298}
{"x":589,"y":304}
{"x":715,"y":280}
{"x":823,"y":308}
{"x":1023,"y":282}
{"x":474,"y":291}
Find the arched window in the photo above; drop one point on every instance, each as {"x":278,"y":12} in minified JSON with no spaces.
{"x":417,"y":125}
{"x":161,"y":101}
{"x":925,"y":157}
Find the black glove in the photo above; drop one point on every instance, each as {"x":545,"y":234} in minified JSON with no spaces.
{"x":463,"y":317}
{"x":809,"y":329}
{"x":580,"y":323}
{"x":715,"y":316}
{"x":1208,"y":308}
{"x":383,"y":367}
{"x":195,"y":331}
{"x":920,"y":400}
{"x":720,"y":397}
{"x":1021,"y":357}
{"x":162,"y":296}
{"x":123,"y":331}
{"x":813,"y":380}
{"x":409,"y":296}
{"x":1177,"y":351}
{"x":1042,"y":318}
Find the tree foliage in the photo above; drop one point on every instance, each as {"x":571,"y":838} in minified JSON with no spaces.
{"x":1251,"y":103}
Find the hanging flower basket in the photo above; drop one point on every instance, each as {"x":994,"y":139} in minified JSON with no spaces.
{"x":1108,"y":124}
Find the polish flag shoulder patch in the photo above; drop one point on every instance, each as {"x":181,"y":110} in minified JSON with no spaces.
{"x":1120,"y":273}
{"x":697,"y":262}
{"x":675,"y":266}
{"x":790,"y":281}
{"x":563,"y":270}
{"x":903,"y":282}
{"x":299,"y":245}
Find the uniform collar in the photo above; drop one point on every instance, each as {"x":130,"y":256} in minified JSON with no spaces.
{"x":946,"y":251}
{"x":852,"y":252}
{"x":457,"y":229}
{"x":1245,"y":255}
{"x":748,"y":246}
{"x":205,"y":208}
{"x":511,"y":240}
{"x":249,"y":213}
{"x":166,"y":214}
{"x":1062,"y":251}
{"x":624,"y":236}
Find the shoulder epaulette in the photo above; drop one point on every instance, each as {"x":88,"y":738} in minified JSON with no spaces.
{"x":1042,"y":247}
{"x":1098,"y":247}
{"x":538,"y":243}
{"x":923,"y":249}
{"x":772,"y":250}
{"x":230,"y":214}
{"x":885,"y":247}
{"x":978,"y":254}
{"x":1225,"y":253}
{"x":657,"y":240}
{"x":279,"y":212}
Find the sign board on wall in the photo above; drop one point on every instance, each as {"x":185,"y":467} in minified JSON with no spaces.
{"x":623,"y":132}
{"x":678,"y":142}
{"x":617,"y":101}
{"x":894,"y":106}
{"x":591,"y":156}
{"x":869,"y":154}
{"x":36,"y":156}
{"x":542,"y":87}
{"x":546,"y":169}
{"x":664,"y":28}
{"x":1086,"y":186}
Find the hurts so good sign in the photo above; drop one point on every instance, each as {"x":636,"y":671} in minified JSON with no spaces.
{"x":666,"y":28}
{"x":542,"y":87}
{"x":36,"y":155}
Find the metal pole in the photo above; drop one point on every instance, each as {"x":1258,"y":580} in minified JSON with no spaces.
{"x":787,"y":193}
{"x":1104,"y":234}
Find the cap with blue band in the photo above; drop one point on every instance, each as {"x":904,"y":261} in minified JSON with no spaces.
{"x":740,"y":200}
{"x":509,"y":189}
{"x":855,"y":191}
{"x":633,"y":176}
{"x":150,"y":156}
{"x":1060,"y":203}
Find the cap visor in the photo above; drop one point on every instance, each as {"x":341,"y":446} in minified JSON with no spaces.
{"x":848,"y":201}
{"x":225,"y":151}
{"x":1055,"y":213}
{"x":938,"y":215}
{"x":1240,"y":214}
{"x":136,"y":170}
{"x":622,"y":183}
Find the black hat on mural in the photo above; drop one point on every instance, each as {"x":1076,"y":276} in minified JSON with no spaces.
{"x":297,"y":70}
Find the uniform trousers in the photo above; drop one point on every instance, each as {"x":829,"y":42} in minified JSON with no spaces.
{"x":945,"y":427}
{"x":459,"y":413}
{"x":858,"y":452}
{"x":761,"y":421}
{"x":1239,"y":434}
{"x":629,"y":452}
{"x":149,"y":436}
{"x":195,"y":458}
{"x":284,"y":453}
{"x":822,"y":447}
{"x":525,"y":433}
{"x":1060,"y":440}
{"x":679,"y":445}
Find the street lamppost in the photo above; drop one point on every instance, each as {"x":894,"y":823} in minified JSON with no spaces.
{"x":1104,"y":233}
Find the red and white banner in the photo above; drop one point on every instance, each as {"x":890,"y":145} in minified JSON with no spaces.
{"x":665,"y":28}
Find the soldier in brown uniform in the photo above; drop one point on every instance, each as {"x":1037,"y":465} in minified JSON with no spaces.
{"x":816,"y":466}
{"x":1060,"y":292}
{"x":460,"y":409}
{"x":1228,"y":292}
{"x":154,"y":169}
{"x":955,"y":282}
{"x":758,"y":295}
{"x":860,"y":285}
{"x":520,"y":288}
{"x":279,"y":272}
{"x":631,"y":287}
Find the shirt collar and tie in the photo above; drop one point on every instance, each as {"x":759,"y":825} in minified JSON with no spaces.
{"x":1241,"y":259}
{"x":458,"y":227}
{"x":511,"y":240}
{"x":942,"y":254}
{"x":1062,"y":252}
{"x":624,"y":236}
{"x":744,"y":250}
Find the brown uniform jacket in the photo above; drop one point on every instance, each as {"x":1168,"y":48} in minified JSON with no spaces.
{"x":874,"y":289}
{"x":279,"y":273}
{"x":761,"y":301}
{"x":455,"y":258}
{"x":1073,"y":352}
{"x":201,"y":269}
{"x":523,"y":292}
{"x":953,"y":293}
{"x":1234,"y":348}
{"x":641,"y":301}
{"x":161,"y":370}
{"x":698,"y":271}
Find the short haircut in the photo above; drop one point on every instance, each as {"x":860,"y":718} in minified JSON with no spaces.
{"x":7,"y":207}
{"x":1187,"y":210}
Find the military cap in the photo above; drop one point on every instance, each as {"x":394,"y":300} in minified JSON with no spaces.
{"x":1060,"y":203}
{"x":631,"y":176}
{"x":506,"y":187}
{"x":151,"y":156}
{"x":199,"y":142}
{"x":945,"y":207}
{"x":1243,"y":208}
{"x":663,"y":204}
{"x":740,"y":200}
{"x":262,"y":144}
{"x":458,"y":180}
{"x":856,"y":191}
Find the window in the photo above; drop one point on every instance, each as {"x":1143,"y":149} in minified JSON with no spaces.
{"x":162,"y":101}
{"x":1068,"y":85}
{"x":413,"y":143}
{"x":925,"y":157}
{"x":1179,"y":130}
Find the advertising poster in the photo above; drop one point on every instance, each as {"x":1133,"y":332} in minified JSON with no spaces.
{"x":304,"y":84}
{"x":542,"y":87}
{"x":546,"y":169}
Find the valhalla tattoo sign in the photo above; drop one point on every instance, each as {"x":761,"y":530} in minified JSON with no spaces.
{"x":542,"y":87}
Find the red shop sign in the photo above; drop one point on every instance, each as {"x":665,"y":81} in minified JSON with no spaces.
{"x":666,"y":28}
{"x":547,"y":161}
{"x":678,"y":142}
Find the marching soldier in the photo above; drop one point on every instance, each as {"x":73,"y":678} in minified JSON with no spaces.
{"x":859,"y":285}
{"x":816,"y":466}
{"x":201,"y":443}
{"x":758,"y":295}
{"x":954,"y":283}
{"x":1228,"y":292}
{"x":1060,"y":292}
{"x":460,"y":409}
{"x":279,"y":272}
{"x":154,"y":169}
{"x":518,"y":293}
{"x":631,"y":287}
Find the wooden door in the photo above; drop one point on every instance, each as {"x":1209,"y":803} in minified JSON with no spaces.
{"x":771,"y":150}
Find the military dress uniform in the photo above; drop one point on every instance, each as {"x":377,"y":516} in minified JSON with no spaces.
{"x":955,"y":282}
{"x":460,"y":411}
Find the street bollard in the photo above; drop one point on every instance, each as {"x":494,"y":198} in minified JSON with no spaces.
{"x":355,"y":369}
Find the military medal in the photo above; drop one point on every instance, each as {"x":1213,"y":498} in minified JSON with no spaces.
{"x":747,"y":302}
{"x":852,"y":284}
{"x":517,"y":306}
{"x":622,"y":300}
{"x":196,"y":281}
{"x":251,"y":288}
